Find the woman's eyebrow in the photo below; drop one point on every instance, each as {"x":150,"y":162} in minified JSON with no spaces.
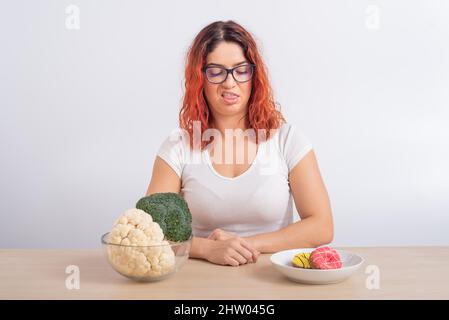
{"x":217,"y":64}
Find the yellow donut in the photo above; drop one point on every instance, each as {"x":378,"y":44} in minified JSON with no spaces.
{"x":301,"y":260}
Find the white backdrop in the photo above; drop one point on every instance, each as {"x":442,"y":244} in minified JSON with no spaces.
{"x":83,"y":111}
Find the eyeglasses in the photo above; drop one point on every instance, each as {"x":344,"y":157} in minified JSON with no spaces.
{"x":218,"y":74}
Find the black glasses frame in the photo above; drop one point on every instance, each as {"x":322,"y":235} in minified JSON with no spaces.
{"x":230,"y":71}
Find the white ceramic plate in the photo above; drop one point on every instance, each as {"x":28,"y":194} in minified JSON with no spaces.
{"x":282,"y":261}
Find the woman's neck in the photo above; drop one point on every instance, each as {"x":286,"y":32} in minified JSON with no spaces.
{"x":231,"y":123}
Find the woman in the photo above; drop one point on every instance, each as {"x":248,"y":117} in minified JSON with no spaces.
{"x":240,"y":208}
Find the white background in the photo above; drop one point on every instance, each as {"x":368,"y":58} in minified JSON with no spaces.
{"x":83,"y":112}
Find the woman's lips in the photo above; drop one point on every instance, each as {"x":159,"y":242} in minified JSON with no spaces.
{"x":230,"y":98}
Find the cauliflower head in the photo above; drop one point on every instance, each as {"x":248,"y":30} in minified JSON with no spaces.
{"x":138,"y":248}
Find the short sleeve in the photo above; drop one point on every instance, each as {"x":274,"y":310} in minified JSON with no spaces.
{"x":172,"y":151}
{"x":294,"y":145}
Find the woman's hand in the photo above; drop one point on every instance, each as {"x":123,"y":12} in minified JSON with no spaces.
{"x":230,"y":249}
{"x":219,"y":234}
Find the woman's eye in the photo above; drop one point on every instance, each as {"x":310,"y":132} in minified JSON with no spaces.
{"x":214,"y":72}
{"x":243,"y":70}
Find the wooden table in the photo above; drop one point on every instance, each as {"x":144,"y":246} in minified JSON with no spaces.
{"x":405,"y":273}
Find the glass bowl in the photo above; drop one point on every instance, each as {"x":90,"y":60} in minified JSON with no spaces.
{"x":147,"y":263}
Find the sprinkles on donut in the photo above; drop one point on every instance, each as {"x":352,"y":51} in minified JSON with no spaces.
{"x":325,"y":258}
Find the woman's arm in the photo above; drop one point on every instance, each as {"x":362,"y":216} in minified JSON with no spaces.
{"x":312,"y":202}
{"x":232,"y":251}
{"x":163,"y":178}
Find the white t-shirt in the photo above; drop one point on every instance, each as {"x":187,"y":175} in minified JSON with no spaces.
{"x":257,"y":201}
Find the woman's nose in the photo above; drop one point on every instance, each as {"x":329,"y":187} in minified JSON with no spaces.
{"x":229,"y":82}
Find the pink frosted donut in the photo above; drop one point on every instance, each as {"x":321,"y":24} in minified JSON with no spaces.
{"x":325,"y":258}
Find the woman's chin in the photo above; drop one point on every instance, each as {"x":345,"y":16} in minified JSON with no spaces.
{"x":231,"y":109}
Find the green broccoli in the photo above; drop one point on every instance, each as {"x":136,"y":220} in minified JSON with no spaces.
{"x":171,"y":212}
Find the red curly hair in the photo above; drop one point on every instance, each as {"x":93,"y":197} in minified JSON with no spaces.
{"x":262,"y":112}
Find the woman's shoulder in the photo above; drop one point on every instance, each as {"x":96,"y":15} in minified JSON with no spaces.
{"x":293,"y":144}
{"x":286,"y":132}
{"x":173,"y":150}
{"x":175,"y":144}
{"x":177,"y":137}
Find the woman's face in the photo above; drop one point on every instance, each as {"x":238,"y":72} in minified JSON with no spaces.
{"x":228,"y":55}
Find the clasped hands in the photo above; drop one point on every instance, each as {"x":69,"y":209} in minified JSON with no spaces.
{"x":230,"y":249}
